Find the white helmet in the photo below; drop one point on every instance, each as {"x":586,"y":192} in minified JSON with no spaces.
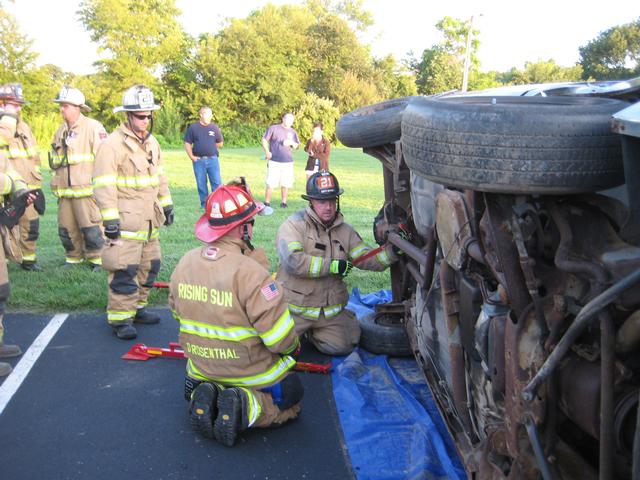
{"x":72,"y":96}
{"x":138,"y":98}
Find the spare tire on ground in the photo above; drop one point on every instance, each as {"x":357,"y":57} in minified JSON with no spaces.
{"x":373,"y":125}
{"x":534,"y":145}
{"x":381,"y":333}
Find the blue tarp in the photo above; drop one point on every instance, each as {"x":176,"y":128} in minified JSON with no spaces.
{"x":391,"y":425}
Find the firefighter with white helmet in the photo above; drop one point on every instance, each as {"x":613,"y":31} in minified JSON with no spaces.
{"x":316,"y":249}
{"x":71,"y":159}
{"x":235,"y":327}
{"x":25,"y":159}
{"x":132,"y":192}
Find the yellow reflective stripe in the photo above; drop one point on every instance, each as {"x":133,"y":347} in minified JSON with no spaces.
{"x":294,"y":246}
{"x":95,"y":261}
{"x":358,"y":251}
{"x":72,"y":192}
{"x":75,"y":158}
{"x":204,"y":330}
{"x":166,"y":201}
{"x":141,"y":181}
{"x":3,"y":142}
{"x":30,"y":257}
{"x":293,"y":347}
{"x":254,"y":406}
{"x":22,"y":153}
{"x":73,"y":261}
{"x":315,"y":266}
{"x":33,"y":186}
{"x":8,"y":183}
{"x":332,"y":310}
{"x":110,"y":214}
{"x":309,"y":312}
{"x":283,"y":365}
{"x":141,"y":235}
{"x":105,"y":181}
{"x":383,"y":258}
{"x":280,"y":330}
{"x":120,"y":316}
{"x":141,"y":304}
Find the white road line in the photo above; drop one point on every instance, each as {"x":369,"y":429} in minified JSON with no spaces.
{"x":22,"y":369}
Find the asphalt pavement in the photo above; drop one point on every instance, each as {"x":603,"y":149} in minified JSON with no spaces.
{"x":73,"y":409}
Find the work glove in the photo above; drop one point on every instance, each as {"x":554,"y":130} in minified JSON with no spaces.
{"x":405,"y":235}
{"x":11,"y":211}
{"x":340,"y":267}
{"x":39,"y":204}
{"x":168,"y":215}
{"x":112,"y":229}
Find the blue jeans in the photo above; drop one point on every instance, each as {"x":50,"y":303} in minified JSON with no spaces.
{"x":206,"y":167}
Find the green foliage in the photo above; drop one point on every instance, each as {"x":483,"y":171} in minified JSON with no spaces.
{"x":440,"y":67}
{"x":614,"y":54}
{"x":139,"y":36}
{"x":168,"y":123}
{"x":16,"y":56}
{"x":315,"y":109}
{"x":242,"y":134}
{"x":542,"y":72}
{"x":43,"y":126}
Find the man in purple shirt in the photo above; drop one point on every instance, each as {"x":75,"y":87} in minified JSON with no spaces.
{"x":202,"y":141}
{"x":278,"y":142}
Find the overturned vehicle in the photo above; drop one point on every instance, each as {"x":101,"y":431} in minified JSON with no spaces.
{"x":519,"y":290}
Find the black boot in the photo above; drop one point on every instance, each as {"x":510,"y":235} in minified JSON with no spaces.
{"x":145,"y":317}
{"x":203,"y":408}
{"x":125,"y":331}
{"x":30,"y":266}
{"x":232,"y":415}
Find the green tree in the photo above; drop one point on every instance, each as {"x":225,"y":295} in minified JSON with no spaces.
{"x":139,"y":38}
{"x":440,"y":67}
{"x":614,"y":54}
{"x":315,"y":109}
{"x":16,"y":56}
{"x":542,"y":71}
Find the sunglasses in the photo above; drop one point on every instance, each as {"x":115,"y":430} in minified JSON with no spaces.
{"x":142,"y":117}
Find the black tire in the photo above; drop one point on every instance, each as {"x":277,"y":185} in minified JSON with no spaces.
{"x":381,"y":336}
{"x":373,"y":125}
{"x":538,"y":145}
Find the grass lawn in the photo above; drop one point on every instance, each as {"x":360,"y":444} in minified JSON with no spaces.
{"x":58,"y":290}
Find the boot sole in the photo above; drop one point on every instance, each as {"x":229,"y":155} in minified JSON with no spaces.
{"x":200,"y":411}
{"x":126,"y":336}
{"x":228,"y":420}
{"x":11,"y":355}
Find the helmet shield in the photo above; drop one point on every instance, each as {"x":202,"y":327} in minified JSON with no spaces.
{"x":226,"y":208}
{"x":138,"y":98}
{"x":322,"y":186}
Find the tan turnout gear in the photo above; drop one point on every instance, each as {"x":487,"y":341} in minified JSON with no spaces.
{"x":317,"y":298}
{"x":72,"y":160}
{"x":10,"y":182}
{"x":130,"y":187}
{"x":235,"y":327}
{"x":25,"y":159}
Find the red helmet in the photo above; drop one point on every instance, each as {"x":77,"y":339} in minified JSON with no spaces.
{"x":226,"y":208}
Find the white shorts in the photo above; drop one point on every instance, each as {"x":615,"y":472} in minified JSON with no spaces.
{"x":279,"y":174}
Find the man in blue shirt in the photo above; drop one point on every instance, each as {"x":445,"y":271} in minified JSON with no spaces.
{"x":278,"y":143}
{"x":202,"y":141}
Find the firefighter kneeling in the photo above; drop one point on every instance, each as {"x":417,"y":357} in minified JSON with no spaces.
{"x":235,"y":326}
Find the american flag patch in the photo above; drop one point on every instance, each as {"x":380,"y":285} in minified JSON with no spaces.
{"x":270,"y":291}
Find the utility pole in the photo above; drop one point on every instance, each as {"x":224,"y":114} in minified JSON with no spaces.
{"x":467,"y":56}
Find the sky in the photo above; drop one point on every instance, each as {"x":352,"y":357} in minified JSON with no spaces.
{"x":511,"y":33}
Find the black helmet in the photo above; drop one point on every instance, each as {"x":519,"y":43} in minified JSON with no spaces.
{"x":12,"y":92}
{"x":322,"y":186}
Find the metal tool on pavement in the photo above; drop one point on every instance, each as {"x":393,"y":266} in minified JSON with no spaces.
{"x":142,"y":352}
